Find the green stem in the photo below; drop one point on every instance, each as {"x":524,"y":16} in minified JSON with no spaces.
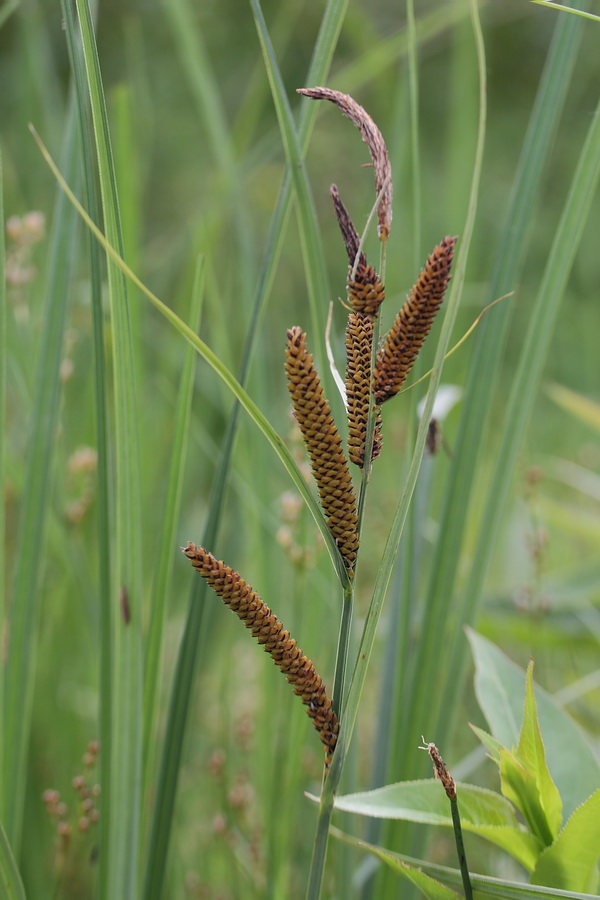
{"x":341,"y":662}
{"x":460,"y":849}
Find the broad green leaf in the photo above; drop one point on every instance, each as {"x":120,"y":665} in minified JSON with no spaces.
{"x":531,"y":753}
{"x":500,"y":686}
{"x":519,"y":785}
{"x":571,"y":862}
{"x":482,"y":812}
{"x":483,"y":885}
{"x":580,"y":407}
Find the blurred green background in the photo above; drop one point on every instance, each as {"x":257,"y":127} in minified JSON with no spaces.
{"x":199,"y":163}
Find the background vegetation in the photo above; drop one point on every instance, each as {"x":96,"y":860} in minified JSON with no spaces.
{"x":199,"y":163}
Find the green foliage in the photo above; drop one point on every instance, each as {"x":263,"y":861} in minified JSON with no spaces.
{"x":122,"y":438}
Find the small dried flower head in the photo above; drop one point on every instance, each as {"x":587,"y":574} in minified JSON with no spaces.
{"x":359,"y":346}
{"x":440,"y":770}
{"x":413,"y":323}
{"x":324,"y":444}
{"x":268,"y":630}
{"x":374,"y":140}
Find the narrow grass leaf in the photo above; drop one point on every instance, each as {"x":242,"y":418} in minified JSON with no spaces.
{"x":580,"y":407}
{"x":120,"y":857}
{"x":104,"y":480}
{"x":441,"y":648}
{"x":11,"y":885}
{"x":484,"y":886}
{"x":25,"y":600}
{"x":578,"y":12}
{"x":186,"y":661}
{"x":3,"y":433}
{"x":166,"y":556}
{"x":312,"y":247}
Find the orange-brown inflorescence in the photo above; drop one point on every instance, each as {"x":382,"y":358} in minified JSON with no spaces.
{"x":359,"y":345}
{"x":366,"y":293}
{"x":413,"y":323}
{"x":269,"y":632}
{"x":324,"y":445}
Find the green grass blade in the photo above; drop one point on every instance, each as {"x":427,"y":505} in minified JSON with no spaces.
{"x":543,"y":320}
{"x":312,"y":248}
{"x":578,"y":12}
{"x":166,"y":558}
{"x":3,"y":432}
{"x":92,"y":193}
{"x":186,"y":661}
{"x":25,"y":600}
{"x":440,"y":634}
{"x":119,"y":859}
{"x":11,"y":886}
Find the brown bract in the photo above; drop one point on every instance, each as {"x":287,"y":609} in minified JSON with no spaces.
{"x":268,"y":630}
{"x":324,"y":444}
{"x":349,"y":232}
{"x":413,"y":323}
{"x":375,"y":142}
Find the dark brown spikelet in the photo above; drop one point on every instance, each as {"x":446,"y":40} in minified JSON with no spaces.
{"x":359,"y":346}
{"x":268,"y":630}
{"x":324,"y":444}
{"x":366,"y":293}
{"x":349,"y":232}
{"x":413,"y":323}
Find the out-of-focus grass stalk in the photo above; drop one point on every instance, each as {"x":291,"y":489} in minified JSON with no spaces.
{"x":119,"y":859}
{"x":24,"y":601}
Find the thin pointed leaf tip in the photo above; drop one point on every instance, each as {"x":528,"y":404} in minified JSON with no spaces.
{"x":404,"y":340}
{"x":324,"y":444}
{"x":268,"y":630}
{"x":374,"y":140}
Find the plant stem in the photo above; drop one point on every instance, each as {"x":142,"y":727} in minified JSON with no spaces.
{"x":460,"y":849}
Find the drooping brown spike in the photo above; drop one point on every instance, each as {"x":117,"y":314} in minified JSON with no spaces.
{"x":324,"y":444}
{"x":349,"y":232}
{"x":268,"y":630}
{"x":359,"y":347}
{"x":413,"y":323}
{"x":374,"y":140}
{"x":366,"y":293}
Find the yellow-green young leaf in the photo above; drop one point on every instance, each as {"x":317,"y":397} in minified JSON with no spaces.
{"x":519,"y":785}
{"x":580,"y":407}
{"x":531,"y":753}
{"x":490,"y":743}
{"x":571,"y":863}
{"x":482,"y":812}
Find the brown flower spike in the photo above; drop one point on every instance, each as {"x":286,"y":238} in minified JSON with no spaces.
{"x":349,"y":232}
{"x":375,"y":142}
{"x":413,"y":323}
{"x":269,"y":632}
{"x":324,"y":444}
{"x":359,"y":344}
